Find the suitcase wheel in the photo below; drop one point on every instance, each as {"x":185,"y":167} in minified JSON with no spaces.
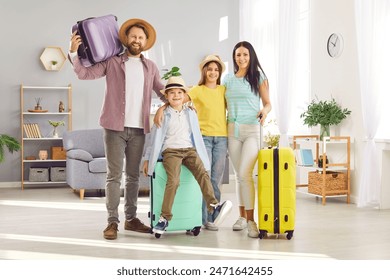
{"x":262,"y":234}
{"x":195,"y":231}
{"x":157,"y":235}
{"x":290,"y":234}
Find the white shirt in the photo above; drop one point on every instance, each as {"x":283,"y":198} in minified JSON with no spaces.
{"x":134,"y":92}
{"x":178,"y":132}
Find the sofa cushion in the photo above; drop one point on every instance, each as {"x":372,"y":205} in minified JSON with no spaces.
{"x":90,"y":140}
{"x":79,"y":155}
{"x":98,"y":165}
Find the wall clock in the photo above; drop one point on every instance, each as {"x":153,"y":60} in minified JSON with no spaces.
{"x":335,"y":45}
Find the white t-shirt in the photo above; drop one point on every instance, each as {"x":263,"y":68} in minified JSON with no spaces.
{"x":178,"y":132}
{"x":134,"y":92}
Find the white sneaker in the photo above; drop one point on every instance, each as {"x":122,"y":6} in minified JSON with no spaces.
{"x":221,"y":210}
{"x":253,"y":230}
{"x":210,"y":226}
{"x":240,"y":224}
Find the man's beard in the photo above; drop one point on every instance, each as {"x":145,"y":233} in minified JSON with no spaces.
{"x":133,"y":50}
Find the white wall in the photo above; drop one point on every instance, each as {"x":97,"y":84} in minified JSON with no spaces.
{"x":338,"y":77}
{"x":190,"y":28}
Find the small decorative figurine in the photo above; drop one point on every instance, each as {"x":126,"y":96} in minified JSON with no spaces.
{"x":61,"y":107}
{"x":43,"y":154}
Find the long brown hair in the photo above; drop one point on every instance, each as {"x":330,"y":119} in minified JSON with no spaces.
{"x":253,"y":73}
{"x":203,"y":73}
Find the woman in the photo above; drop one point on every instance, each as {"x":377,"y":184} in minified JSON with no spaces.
{"x":245,"y":89}
{"x":208,"y":98}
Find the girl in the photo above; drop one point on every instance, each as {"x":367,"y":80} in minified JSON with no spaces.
{"x":208,"y":98}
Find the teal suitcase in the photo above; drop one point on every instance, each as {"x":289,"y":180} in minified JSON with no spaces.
{"x":187,"y":206}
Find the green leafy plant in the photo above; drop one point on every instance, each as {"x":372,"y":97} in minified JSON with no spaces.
{"x":55,"y":124}
{"x":324,"y":113}
{"x":8,"y":142}
{"x":173,"y":72}
{"x":272,"y":134}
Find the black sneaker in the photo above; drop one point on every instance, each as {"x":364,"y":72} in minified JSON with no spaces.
{"x":220,"y":212}
{"x":160,"y":226}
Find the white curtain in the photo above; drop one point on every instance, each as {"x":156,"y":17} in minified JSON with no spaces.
{"x":288,"y":32}
{"x":272,"y":28}
{"x":370,"y":30}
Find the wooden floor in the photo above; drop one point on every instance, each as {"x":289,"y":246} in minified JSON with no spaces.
{"x":52,"y":223}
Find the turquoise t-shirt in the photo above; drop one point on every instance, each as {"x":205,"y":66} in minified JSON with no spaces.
{"x":243,"y":105}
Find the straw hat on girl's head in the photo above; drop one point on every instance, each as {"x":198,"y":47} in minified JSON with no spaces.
{"x":149,"y":30}
{"x":212,"y":57}
{"x":175,"y":82}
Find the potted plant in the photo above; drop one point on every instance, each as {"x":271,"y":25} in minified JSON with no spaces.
{"x":55,"y":124}
{"x":8,"y":142}
{"x":272,"y":134}
{"x":173,"y":72}
{"x":54,"y":64}
{"x":324,"y":113}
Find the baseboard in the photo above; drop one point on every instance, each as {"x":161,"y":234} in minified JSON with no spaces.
{"x":7,"y":185}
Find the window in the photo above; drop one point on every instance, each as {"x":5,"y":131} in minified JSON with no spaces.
{"x":259,"y":24}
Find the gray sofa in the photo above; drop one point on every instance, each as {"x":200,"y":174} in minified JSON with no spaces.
{"x":85,"y":159}
{"x":86,"y":164}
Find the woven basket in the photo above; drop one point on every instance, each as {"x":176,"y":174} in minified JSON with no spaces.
{"x":58,"y":153}
{"x":335,"y":181}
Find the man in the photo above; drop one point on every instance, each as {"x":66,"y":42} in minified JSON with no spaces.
{"x":130,"y":79}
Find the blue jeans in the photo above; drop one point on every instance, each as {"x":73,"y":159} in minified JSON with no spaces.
{"x":216,"y":147}
{"x":120,"y":145}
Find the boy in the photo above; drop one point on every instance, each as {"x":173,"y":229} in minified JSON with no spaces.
{"x":179,"y":141}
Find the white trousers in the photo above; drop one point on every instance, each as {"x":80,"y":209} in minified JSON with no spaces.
{"x":243,"y":150}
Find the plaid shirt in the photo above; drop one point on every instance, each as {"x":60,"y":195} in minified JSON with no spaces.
{"x":113,"y":111}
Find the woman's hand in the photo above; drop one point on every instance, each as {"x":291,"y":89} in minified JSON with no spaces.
{"x":145,"y":167}
{"x":262,"y":115}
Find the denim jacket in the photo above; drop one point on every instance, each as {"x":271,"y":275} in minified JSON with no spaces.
{"x":157,"y":136}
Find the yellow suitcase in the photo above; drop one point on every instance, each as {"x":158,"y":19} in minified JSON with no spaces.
{"x":276,"y":191}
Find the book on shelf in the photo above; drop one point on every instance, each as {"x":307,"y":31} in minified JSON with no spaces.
{"x":32,"y":130}
{"x":304,"y":157}
{"x":26,"y":131}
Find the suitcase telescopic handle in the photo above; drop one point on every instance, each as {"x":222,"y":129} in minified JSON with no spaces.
{"x":261,"y":131}
{"x":85,"y":19}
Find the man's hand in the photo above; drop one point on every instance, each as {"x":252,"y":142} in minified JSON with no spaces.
{"x":159,"y":116}
{"x":75,"y":42}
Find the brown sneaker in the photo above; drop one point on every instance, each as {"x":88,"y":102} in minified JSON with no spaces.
{"x":136,"y":225}
{"x":111,"y":231}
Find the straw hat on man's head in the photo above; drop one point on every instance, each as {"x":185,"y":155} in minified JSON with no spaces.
{"x":175,"y":82}
{"x":212,"y":57}
{"x":146,"y":26}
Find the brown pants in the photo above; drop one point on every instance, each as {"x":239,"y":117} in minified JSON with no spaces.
{"x":172,"y":161}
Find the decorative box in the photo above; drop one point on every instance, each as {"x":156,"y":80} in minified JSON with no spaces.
{"x":38,"y":175}
{"x":334,"y":181}
{"x":58,"y":153}
{"x":57,"y":174}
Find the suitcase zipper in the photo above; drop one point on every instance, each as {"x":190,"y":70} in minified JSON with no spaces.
{"x":276,"y":191}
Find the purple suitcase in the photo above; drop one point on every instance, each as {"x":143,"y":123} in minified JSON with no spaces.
{"x":100,"y":39}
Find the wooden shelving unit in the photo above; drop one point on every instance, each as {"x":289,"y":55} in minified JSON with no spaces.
{"x":44,"y":140}
{"x":321,"y":148}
